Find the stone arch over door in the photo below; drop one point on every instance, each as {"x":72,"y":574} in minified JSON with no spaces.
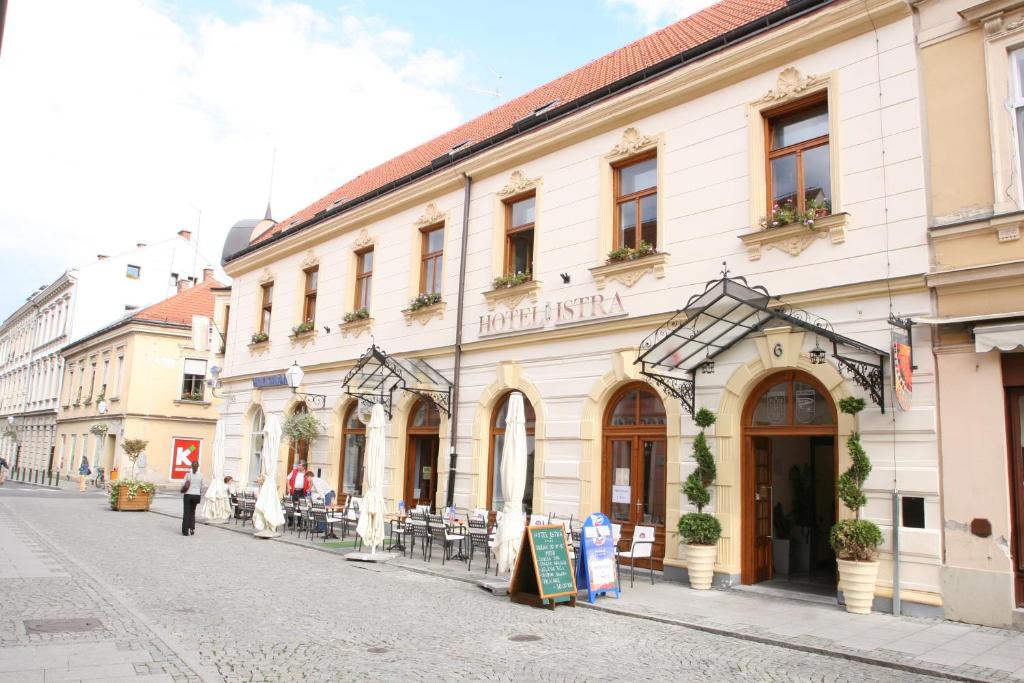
{"x":728,"y":430}
{"x":623,"y":371}
{"x":509,"y":378}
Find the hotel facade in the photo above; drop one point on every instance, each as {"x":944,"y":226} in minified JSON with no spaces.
{"x":598,"y":245}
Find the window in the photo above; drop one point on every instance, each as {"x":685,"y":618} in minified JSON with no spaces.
{"x":353,"y":448}
{"x":309,"y":300}
{"x":497,"y":443}
{"x":266,"y":307}
{"x":192,"y":386}
{"x":1018,"y":98}
{"x":364,"y":278}
{"x":298,"y":450}
{"x":256,"y":445}
{"x":120,"y":371}
{"x":913,"y":512}
{"x":636,"y":203}
{"x":430,"y":261}
{"x":519,"y":223}
{"x":133,"y":272}
{"x":798,"y":158}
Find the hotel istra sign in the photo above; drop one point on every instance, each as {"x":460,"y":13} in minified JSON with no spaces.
{"x":581,"y":310}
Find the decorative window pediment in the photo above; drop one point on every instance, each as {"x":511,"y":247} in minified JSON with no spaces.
{"x":518,"y":183}
{"x":791,"y":84}
{"x":265,"y":277}
{"x":431,"y":215}
{"x":363,"y":240}
{"x":632,"y":142}
{"x":310,"y":260}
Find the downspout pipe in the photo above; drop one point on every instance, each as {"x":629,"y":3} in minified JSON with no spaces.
{"x":454,"y":422}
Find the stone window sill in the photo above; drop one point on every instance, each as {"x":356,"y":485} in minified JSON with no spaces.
{"x":425,"y":314}
{"x":793,"y":239}
{"x":512,"y":296}
{"x":302,"y":337}
{"x":190,"y":402}
{"x":630,"y":272}
{"x":259,"y":347}
{"x":355,"y":328}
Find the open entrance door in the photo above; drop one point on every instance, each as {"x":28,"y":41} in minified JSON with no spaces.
{"x":788,"y":485}
{"x":421,"y":456}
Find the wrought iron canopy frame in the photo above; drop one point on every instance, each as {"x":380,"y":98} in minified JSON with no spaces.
{"x":377,"y":375}
{"x":724,"y":314}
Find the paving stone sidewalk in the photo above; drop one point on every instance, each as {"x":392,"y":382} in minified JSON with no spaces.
{"x":946,"y":648}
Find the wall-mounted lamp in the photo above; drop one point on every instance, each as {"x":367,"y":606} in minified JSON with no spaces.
{"x":294,"y":376}
{"x":817,"y":354}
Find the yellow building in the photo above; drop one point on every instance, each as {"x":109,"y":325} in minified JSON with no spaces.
{"x":142,"y":377}
{"x":974,"y":93}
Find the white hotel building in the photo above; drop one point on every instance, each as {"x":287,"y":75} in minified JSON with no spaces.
{"x":684,"y":140}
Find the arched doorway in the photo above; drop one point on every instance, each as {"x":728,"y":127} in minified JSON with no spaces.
{"x":635,"y":464}
{"x":788,"y":487}
{"x":353,"y":450}
{"x":421,"y":454}
{"x":298,"y":451}
{"x":497,"y":442}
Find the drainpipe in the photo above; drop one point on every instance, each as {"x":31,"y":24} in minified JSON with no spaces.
{"x":454,"y":431}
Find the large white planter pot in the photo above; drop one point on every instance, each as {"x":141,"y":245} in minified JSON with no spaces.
{"x":700,"y":564}
{"x":857,"y":581}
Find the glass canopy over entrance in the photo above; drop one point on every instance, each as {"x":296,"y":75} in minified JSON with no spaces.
{"x":725,"y":313}
{"x":377,"y":375}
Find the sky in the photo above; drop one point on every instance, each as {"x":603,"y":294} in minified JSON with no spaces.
{"x":125,"y":121}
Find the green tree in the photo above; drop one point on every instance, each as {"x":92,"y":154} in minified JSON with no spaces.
{"x":700,"y":528}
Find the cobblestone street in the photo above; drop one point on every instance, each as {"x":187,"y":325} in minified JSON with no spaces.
{"x":223,"y":606}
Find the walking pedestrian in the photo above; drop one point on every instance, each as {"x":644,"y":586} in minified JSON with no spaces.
{"x":83,"y":472}
{"x":3,"y":470}
{"x":191,"y":490}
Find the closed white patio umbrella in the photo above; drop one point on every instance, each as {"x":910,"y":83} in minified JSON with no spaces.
{"x":371,"y":515}
{"x":513,"y":485}
{"x":268,"y":515}
{"x":217,"y":503}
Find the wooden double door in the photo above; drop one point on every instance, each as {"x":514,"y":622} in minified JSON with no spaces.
{"x":421,"y":470}
{"x":635,"y":481}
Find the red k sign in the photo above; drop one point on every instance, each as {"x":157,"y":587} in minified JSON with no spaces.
{"x":184,"y":452}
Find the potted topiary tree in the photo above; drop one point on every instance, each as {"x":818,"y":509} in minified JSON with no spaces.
{"x":129,"y":493}
{"x":699,"y":530}
{"x":856,"y":540}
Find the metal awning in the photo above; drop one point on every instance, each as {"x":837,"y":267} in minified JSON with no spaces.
{"x":377,"y":375}
{"x":723,"y":314}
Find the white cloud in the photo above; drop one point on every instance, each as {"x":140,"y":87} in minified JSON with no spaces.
{"x":656,"y":14}
{"x":118,"y":120}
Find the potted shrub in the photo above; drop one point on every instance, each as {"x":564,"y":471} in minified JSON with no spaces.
{"x":699,"y":530}
{"x":509,"y":280}
{"x":424,"y":300}
{"x":856,"y":540}
{"x":631,"y":254}
{"x":258,"y":337}
{"x":303,"y":328}
{"x":130,"y":493}
{"x":782,"y":526}
{"x":358,"y":314}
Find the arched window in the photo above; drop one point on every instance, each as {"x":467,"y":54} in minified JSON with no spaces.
{"x":353,"y":448}
{"x":256,"y":445}
{"x":497,"y":442}
{"x":298,"y":451}
{"x":791,"y":400}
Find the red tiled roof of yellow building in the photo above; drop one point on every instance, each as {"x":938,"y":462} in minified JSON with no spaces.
{"x":694,"y":30}
{"x":179,"y":309}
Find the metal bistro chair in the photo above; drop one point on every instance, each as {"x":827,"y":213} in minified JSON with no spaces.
{"x":641,"y":548}
{"x":480,"y":538}
{"x":247,"y":505}
{"x":351,"y":517}
{"x":289,"y":511}
{"x":318,"y":523}
{"x":439,"y":533}
{"x":418,"y":527}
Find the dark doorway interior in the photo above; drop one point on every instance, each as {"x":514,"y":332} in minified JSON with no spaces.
{"x":803,"y":511}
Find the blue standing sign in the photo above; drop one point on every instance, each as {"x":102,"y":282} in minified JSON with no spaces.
{"x":597,"y":570}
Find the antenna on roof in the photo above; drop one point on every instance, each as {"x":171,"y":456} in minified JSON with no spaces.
{"x":270,"y":187}
{"x":496,"y":93}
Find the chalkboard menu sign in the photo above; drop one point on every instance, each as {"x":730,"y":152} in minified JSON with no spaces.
{"x":543,"y":575}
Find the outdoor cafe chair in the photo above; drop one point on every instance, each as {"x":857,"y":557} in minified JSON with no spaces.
{"x":351,"y":516}
{"x":639,"y":549}
{"x":417,"y":526}
{"x":440,"y":533}
{"x":480,"y":537}
{"x":289,"y":511}
{"x":248,"y":503}
{"x":318,"y":521}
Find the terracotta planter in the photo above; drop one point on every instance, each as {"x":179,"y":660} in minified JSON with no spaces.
{"x":857,"y":581}
{"x":700,"y":564}
{"x":139,"y":502}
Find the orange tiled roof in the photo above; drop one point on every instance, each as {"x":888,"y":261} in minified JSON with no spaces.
{"x":690,"y":32}
{"x":179,"y":309}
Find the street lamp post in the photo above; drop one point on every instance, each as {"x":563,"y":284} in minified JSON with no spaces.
{"x":294,"y":376}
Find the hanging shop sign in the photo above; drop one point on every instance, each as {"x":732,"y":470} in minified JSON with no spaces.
{"x":543,"y":574}
{"x":270,"y":381}
{"x":581,"y":310}
{"x":902,"y":368}
{"x":184,"y":452}
{"x":596,"y":570}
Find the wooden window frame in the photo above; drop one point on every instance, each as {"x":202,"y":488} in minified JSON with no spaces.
{"x":798,"y":148}
{"x":514,"y":230}
{"x":361,"y":277}
{"x":266,"y":307}
{"x":635,"y":197}
{"x":494,"y":431}
{"x":431,"y":432}
{"x":309,"y":295}
{"x":426,"y":256}
{"x":347,"y":431}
